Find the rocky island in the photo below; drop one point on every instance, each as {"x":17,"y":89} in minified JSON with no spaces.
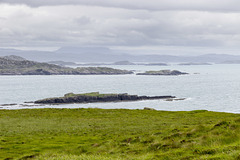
{"x":156,"y":64}
{"x":231,"y":62}
{"x":96,"y":97}
{"x":163,"y":72}
{"x":14,"y":65}
{"x":123,"y":63}
{"x":191,"y":63}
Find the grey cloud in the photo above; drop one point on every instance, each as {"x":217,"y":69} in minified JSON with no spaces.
{"x":203,"y":5}
{"x":51,"y":26}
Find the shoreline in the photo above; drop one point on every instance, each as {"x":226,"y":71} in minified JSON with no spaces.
{"x":76,"y":107}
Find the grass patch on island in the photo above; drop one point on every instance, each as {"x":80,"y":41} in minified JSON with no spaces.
{"x":106,"y":134}
{"x":92,"y":94}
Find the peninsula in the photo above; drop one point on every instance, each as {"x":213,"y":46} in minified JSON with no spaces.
{"x":97,"y":97}
{"x":14,"y":65}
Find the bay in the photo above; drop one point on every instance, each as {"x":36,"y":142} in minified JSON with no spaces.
{"x":211,"y":87}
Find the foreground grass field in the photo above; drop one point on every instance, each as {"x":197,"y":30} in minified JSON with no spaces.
{"x":98,"y":134}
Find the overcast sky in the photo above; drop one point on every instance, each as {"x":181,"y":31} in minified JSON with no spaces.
{"x":137,"y":26}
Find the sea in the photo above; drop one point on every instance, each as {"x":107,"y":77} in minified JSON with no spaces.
{"x":207,"y":87}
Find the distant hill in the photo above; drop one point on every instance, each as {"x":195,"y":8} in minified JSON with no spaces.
{"x":9,"y":66}
{"x":103,"y":54}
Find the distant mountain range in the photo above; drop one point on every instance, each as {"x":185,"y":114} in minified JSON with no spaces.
{"x":102,"y":54}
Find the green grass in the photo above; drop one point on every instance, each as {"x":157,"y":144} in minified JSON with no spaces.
{"x":98,"y":134}
{"x":93,"y":94}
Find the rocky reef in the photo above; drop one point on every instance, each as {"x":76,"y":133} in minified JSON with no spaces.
{"x":163,"y":72}
{"x":96,"y":97}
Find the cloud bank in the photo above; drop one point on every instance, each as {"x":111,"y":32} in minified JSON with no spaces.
{"x":203,"y":5}
{"x":121,"y":24}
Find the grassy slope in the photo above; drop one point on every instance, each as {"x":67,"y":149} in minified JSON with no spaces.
{"x":118,"y":134}
{"x":93,"y":94}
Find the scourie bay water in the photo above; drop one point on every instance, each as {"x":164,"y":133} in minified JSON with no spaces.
{"x":210,"y":87}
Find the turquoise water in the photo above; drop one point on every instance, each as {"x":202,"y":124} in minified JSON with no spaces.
{"x":210,"y":87}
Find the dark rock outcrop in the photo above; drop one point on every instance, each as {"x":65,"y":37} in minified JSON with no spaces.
{"x":147,"y":108}
{"x":96,"y":97}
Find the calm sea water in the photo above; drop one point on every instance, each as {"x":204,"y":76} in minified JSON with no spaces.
{"x":210,"y":87}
